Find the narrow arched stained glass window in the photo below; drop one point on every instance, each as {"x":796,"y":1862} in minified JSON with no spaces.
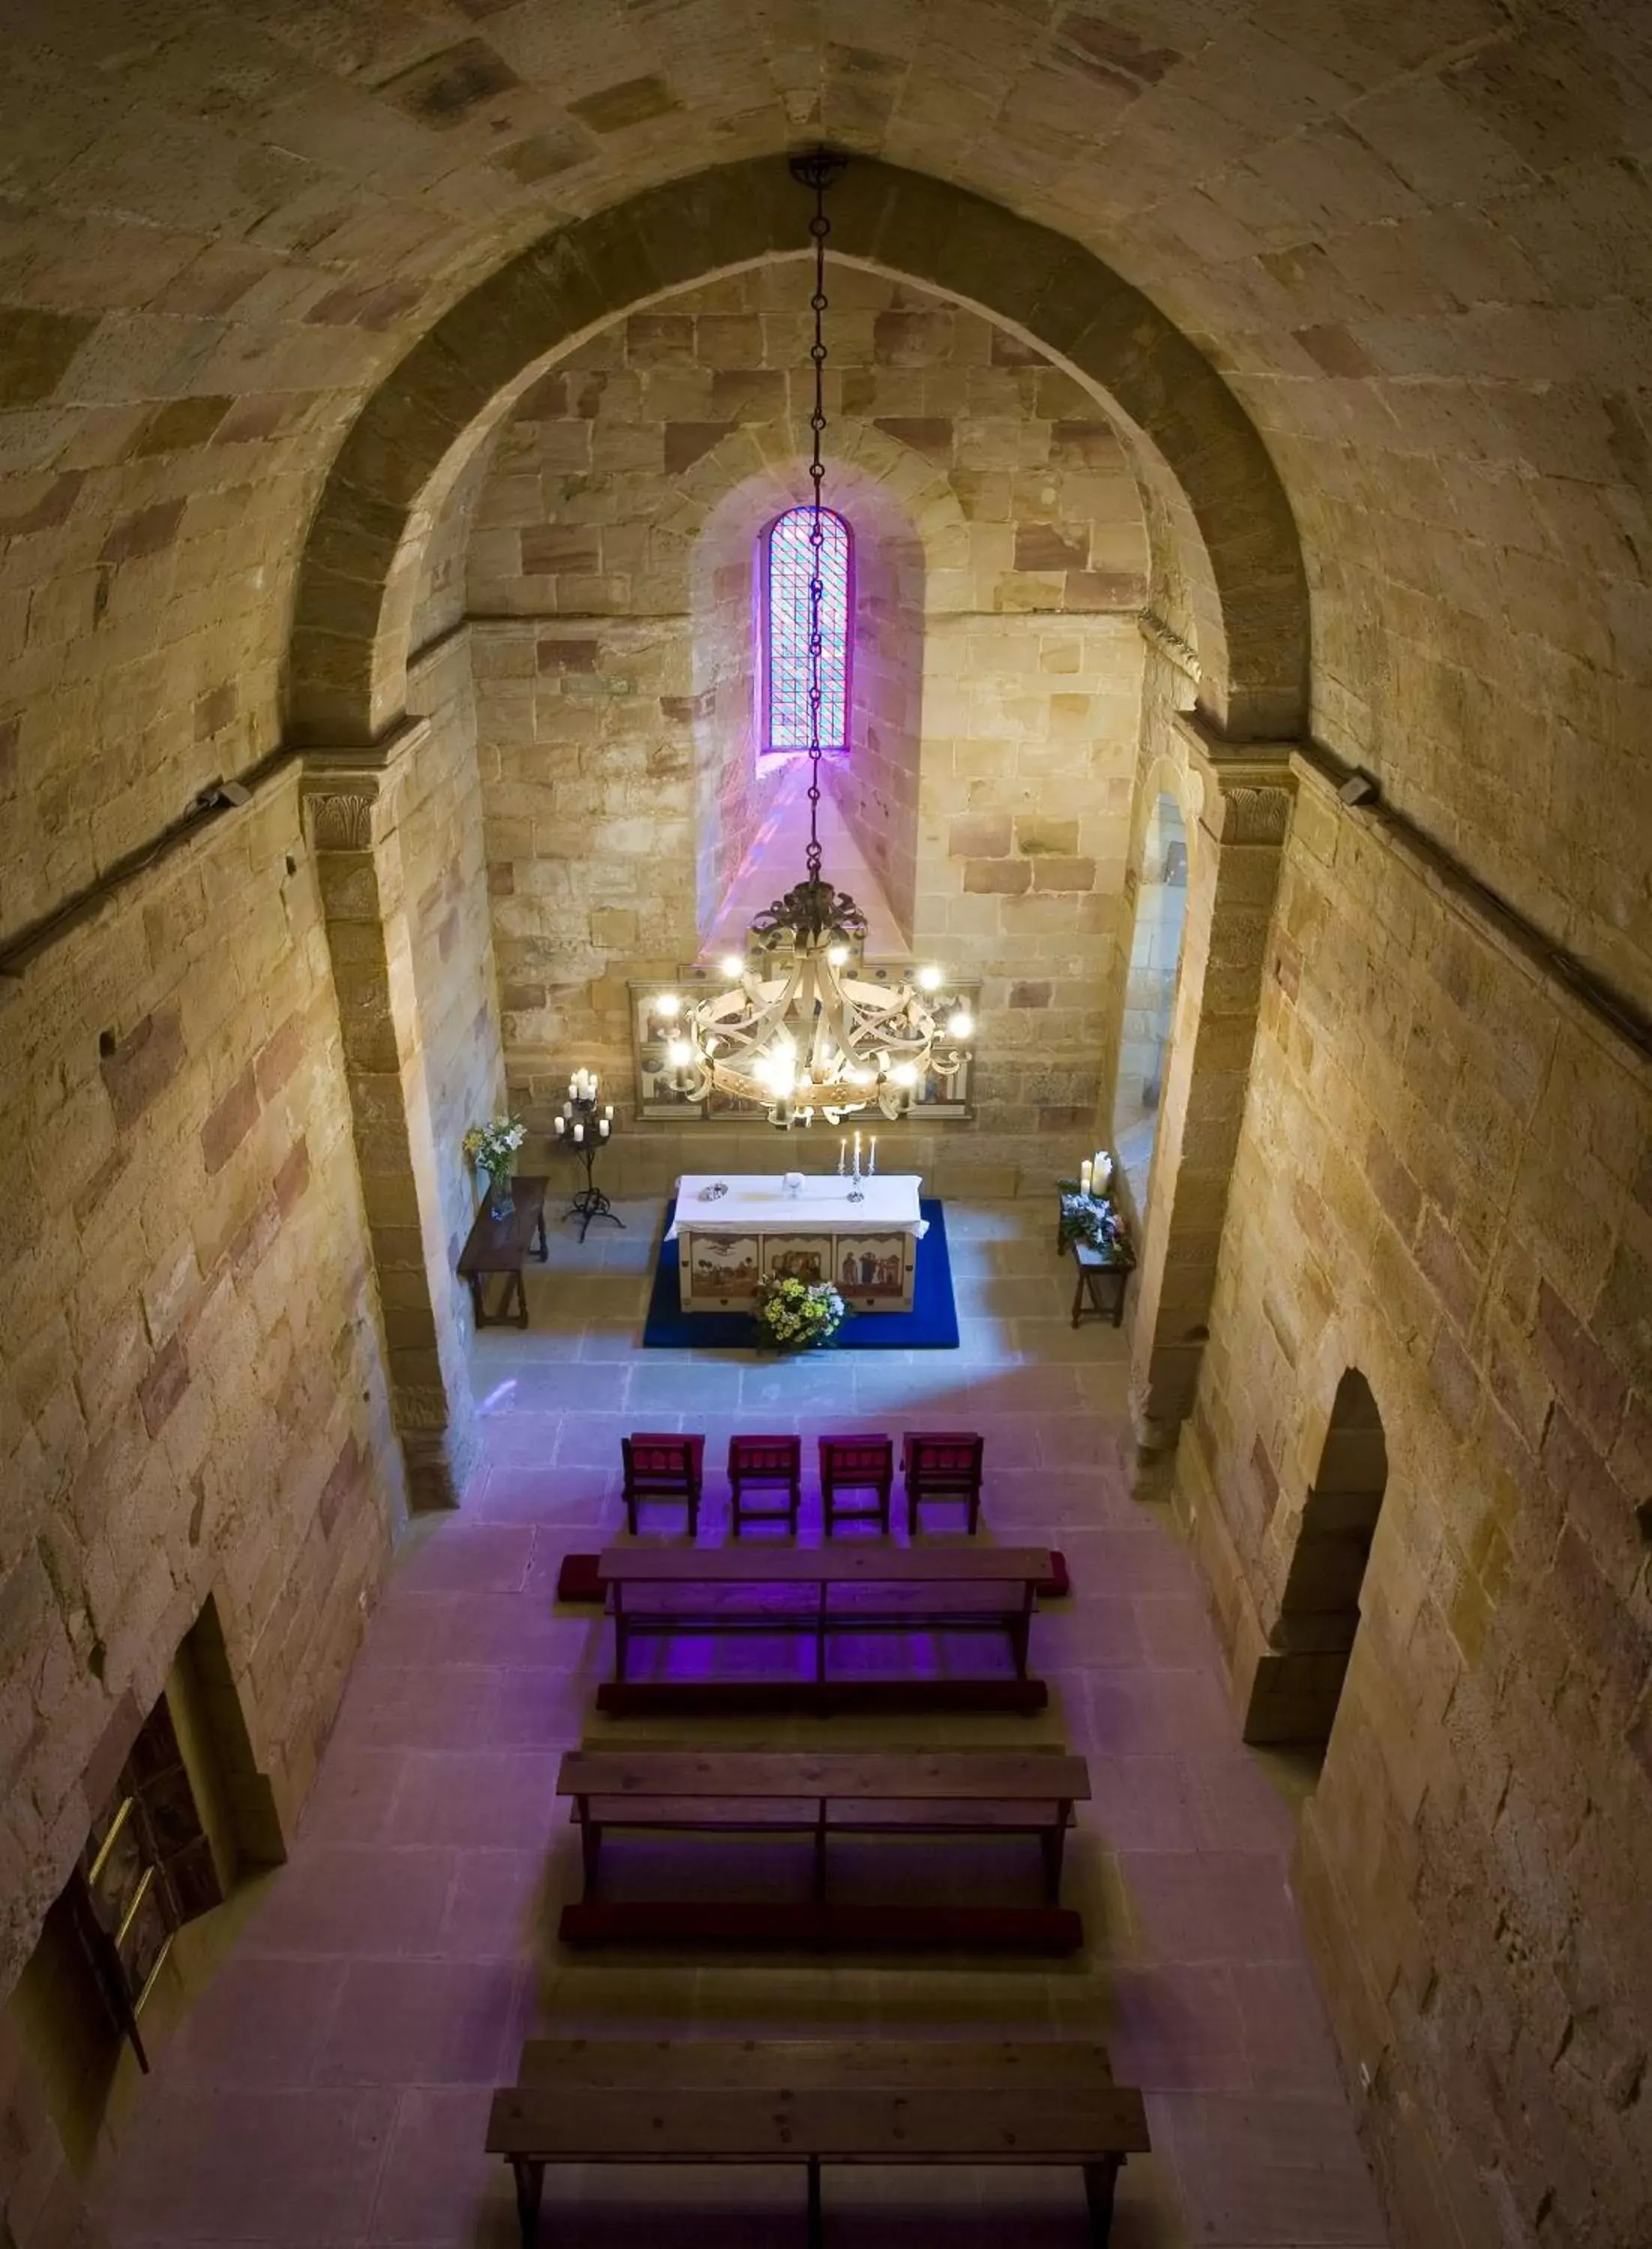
{"x":788,"y":560}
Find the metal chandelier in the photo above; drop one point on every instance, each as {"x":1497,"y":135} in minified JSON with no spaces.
{"x":796,"y":1029}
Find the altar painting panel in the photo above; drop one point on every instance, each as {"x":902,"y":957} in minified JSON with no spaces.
{"x":873,"y":1268}
{"x":721,"y":1269}
{"x":797,"y":1256}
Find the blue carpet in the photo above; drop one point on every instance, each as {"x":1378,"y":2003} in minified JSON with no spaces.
{"x":932,"y":1324}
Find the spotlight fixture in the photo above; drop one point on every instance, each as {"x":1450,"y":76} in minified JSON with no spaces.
{"x":221,"y":796}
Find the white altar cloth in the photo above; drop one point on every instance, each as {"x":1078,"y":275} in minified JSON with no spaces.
{"x":760,"y":1204}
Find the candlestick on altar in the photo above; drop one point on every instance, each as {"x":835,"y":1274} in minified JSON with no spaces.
{"x":872,"y":1161}
{"x":1086,"y":1174}
{"x":843,"y":1156}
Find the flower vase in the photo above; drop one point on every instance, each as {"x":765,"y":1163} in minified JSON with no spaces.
{"x":500,"y":1201}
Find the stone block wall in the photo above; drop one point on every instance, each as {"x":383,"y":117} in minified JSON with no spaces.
{"x":189,"y":1332}
{"x":608,"y":584}
{"x":588,"y":790}
{"x":1443,"y":1183}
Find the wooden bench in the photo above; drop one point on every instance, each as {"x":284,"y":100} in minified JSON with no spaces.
{"x":503,"y":1245}
{"x":840,"y":1792}
{"x":819,"y":1593}
{"x":816,"y":2101}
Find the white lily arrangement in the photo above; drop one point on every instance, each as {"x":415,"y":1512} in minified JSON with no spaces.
{"x":494,"y":1145}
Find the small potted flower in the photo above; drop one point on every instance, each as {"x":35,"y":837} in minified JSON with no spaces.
{"x":493,"y":1147}
{"x":795,"y":1315}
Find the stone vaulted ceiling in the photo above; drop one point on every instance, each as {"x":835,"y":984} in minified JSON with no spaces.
{"x":1413,"y":236}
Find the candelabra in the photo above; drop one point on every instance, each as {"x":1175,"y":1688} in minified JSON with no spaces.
{"x":585,"y":1128}
{"x":856,"y":1191}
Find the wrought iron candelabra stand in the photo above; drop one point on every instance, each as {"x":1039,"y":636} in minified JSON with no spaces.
{"x":583,"y":1128}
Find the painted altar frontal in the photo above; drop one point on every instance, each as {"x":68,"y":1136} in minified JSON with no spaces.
{"x":727,"y":1244}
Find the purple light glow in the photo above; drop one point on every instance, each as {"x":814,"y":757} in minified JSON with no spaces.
{"x":790,"y":559}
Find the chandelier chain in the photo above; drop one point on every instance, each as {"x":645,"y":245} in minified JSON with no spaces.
{"x":819,"y":177}
{"x":799,"y":1030}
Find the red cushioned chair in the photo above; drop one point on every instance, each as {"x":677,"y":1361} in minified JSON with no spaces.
{"x":764,"y":1464}
{"x":942,"y":1464}
{"x":661,"y":1465}
{"x":856,"y":1464}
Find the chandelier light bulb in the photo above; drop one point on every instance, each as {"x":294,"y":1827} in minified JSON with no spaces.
{"x":733,"y":968}
{"x":904,"y":1075}
{"x":960,"y":1025}
{"x":666,"y":1004}
{"x":679,"y":1054}
{"x":929,"y":979}
{"x":838,"y":955}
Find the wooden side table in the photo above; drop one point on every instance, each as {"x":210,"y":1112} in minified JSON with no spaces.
{"x":503,"y":1245}
{"x":1101,"y":1285}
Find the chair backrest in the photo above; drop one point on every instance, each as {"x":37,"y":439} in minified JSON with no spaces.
{"x":758,"y":1460}
{"x":856,"y":1460}
{"x":942,"y":1459}
{"x":661,"y":1461}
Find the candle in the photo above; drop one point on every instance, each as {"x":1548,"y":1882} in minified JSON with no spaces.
{"x":561,"y":1124}
{"x":603,"y":1129}
{"x":579,"y":1135}
{"x":843,"y":1156}
{"x":608,"y":1112}
{"x":1098,"y":1165}
{"x":857,"y":1155}
{"x":1084,"y":1176}
{"x":871,"y":1167}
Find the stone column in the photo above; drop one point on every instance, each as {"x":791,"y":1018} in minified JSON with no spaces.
{"x":351,"y":801}
{"x":1233,"y":875}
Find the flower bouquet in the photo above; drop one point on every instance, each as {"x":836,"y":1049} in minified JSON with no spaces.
{"x":494,"y":1146}
{"x":795,"y":1315}
{"x":1095,"y":1222}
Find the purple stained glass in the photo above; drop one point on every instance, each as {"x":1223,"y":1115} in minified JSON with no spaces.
{"x":791,"y":557}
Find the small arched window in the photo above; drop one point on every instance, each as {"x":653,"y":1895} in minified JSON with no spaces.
{"x":788,"y":557}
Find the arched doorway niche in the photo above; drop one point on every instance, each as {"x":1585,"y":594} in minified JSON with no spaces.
{"x":1295,"y":1693}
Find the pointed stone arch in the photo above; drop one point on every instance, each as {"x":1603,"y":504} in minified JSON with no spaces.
{"x":1246,"y":593}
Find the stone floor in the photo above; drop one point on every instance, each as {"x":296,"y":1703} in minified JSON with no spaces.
{"x":331,"y":2085}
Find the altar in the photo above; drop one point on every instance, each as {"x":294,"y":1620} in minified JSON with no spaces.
{"x":728,"y":1243}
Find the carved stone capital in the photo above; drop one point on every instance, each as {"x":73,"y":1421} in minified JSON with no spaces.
{"x":339,"y":817}
{"x":350,"y":794}
{"x":1249,"y":815}
{"x":1247,"y":789}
